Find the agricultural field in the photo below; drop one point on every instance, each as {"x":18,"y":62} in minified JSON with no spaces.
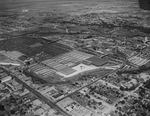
{"x":33,"y":46}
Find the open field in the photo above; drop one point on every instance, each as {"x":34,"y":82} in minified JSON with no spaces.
{"x":31,"y":47}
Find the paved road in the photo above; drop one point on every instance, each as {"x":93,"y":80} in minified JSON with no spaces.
{"x":106,"y":73}
{"x":39,"y":95}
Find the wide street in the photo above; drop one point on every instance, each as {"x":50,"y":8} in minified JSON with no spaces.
{"x":40,"y":96}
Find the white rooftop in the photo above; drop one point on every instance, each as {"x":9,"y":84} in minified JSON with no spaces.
{"x":79,"y":69}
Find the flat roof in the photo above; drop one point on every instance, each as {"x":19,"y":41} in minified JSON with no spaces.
{"x":67,"y":71}
{"x":23,"y":57}
{"x":98,"y":61}
{"x":79,"y":69}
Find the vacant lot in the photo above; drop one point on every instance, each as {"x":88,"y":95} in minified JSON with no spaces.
{"x":24,"y":45}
